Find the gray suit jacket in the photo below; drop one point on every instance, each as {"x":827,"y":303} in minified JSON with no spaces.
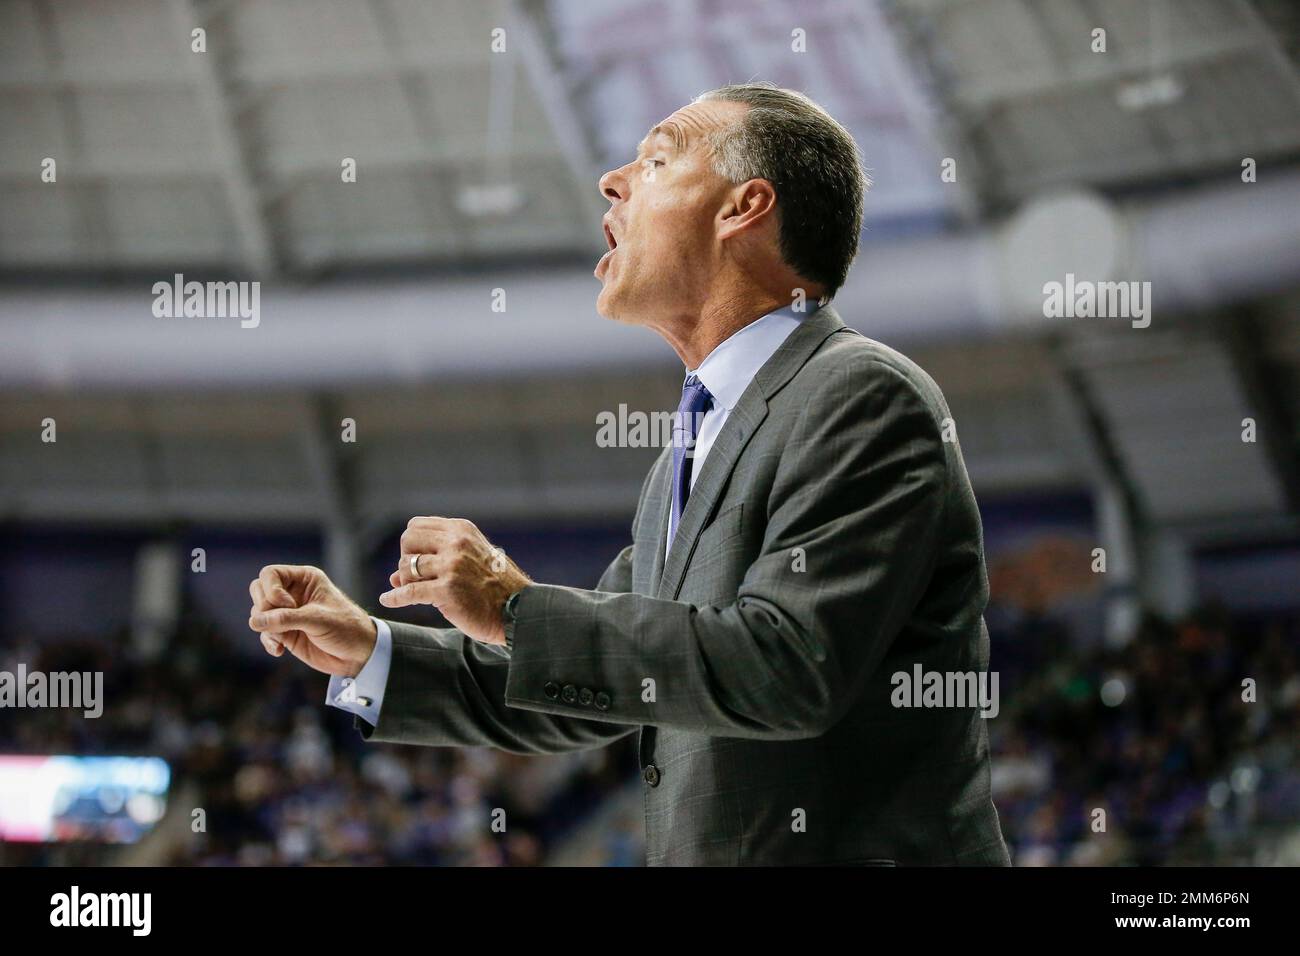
{"x":831,"y":539}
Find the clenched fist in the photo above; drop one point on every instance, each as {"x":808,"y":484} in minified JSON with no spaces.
{"x":299,"y":608}
{"x":446,"y":562}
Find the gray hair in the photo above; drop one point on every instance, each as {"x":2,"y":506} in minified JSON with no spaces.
{"x":811,"y":161}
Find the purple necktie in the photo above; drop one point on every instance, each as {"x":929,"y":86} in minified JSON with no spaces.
{"x":696,"y":401}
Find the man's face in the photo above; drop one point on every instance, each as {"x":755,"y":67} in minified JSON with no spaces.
{"x":663,"y":218}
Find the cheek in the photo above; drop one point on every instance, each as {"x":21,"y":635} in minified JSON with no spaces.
{"x":671,"y":237}
{"x":673,"y":234}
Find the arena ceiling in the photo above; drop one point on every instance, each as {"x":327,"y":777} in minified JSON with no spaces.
{"x":470,"y":162}
{"x":231,"y":159}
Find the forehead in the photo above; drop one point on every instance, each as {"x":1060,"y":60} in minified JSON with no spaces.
{"x":688,"y":125}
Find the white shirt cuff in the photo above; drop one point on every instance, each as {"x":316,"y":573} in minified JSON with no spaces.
{"x":364,"y":694}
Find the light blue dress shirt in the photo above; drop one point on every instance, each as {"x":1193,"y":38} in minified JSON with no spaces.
{"x":726,"y":372}
{"x":364,"y":695}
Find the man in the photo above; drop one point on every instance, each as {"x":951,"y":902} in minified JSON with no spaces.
{"x":808,"y":534}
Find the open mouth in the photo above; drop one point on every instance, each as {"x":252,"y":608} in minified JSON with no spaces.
{"x":610,"y":241}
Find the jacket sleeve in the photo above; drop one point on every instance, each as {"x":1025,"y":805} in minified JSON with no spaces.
{"x":860,"y":489}
{"x":445,"y":690}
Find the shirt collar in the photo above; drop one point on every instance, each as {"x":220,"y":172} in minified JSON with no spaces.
{"x":727,"y":371}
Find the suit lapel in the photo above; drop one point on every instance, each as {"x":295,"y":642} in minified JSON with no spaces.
{"x":736,"y":432}
{"x":661,"y":491}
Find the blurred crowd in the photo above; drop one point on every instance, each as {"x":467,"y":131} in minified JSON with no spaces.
{"x":1179,"y":747}
{"x":281,"y":779}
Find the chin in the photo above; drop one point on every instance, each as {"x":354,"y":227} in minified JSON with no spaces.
{"x":607,"y":304}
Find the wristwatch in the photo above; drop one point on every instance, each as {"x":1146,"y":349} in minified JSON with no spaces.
{"x":508,"y":613}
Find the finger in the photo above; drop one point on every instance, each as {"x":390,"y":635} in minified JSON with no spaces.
{"x":271,"y":645}
{"x":424,"y":540}
{"x":429,"y":521}
{"x":281,"y":619}
{"x":260,"y":604}
{"x":429,"y":566}
{"x":274,"y":578}
{"x":395,"y":579}
{"x":258,"y":594}
{"x":300,"y":647}
{"x":423,"y":592}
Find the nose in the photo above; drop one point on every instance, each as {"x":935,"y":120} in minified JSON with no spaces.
{"x":613,"y":185}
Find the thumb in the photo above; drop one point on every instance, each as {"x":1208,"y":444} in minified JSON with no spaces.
{"x":308,"y":619}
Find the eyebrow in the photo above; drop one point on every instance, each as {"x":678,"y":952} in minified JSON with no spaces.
{"x":671,"y":130}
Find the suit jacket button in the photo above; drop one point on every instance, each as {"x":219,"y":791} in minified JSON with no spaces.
{"x":602,"y":701}
{"x":585,"y":696}
{"x":551,"y":690}
{"x":569,"y":694}
{"x":651,"y":775}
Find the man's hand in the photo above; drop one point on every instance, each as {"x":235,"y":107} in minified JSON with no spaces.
{"x":300,"y":609}
{"x":459,"y":572}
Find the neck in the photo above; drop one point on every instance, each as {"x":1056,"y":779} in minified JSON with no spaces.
{"x":695,"y":333}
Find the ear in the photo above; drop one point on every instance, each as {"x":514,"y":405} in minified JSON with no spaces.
{"x":748,"y":206}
